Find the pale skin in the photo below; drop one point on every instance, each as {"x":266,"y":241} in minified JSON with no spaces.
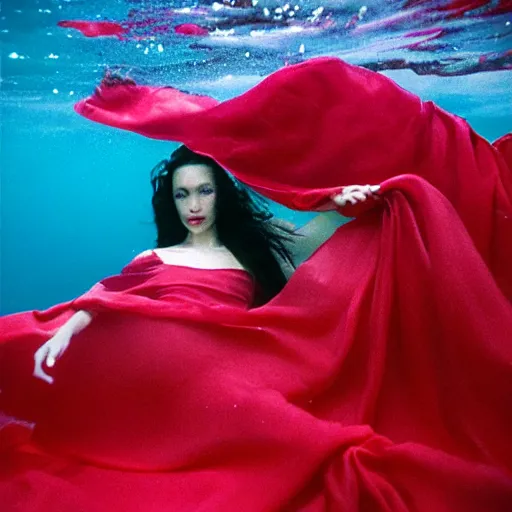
{"x":194,"y":196}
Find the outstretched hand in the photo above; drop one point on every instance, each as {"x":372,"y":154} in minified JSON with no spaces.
{"x":49,"y":353}
{"x":356,"y":193}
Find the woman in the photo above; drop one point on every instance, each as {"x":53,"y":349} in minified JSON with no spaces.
{"x":377,"y":379}
{"x":206,"y":220}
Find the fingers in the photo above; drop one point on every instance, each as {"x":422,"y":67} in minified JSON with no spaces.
{"x":39,"y":373}
{"x":341,"y":199}
{"x":40,"y":357}
{"x":352,"y":198}
{"x":357,"y":196}
{"x":356,"y":193}
{"x":44,"y":376}
{"x":49,"y":353}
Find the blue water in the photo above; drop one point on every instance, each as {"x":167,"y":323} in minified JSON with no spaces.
{"x":75,"y":196}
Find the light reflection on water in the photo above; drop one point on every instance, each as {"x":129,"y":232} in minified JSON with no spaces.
{"x":59,"y":45}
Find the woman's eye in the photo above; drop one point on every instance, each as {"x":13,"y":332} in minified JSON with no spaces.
{"x":207,"y":191}
{"x":179,"y":195}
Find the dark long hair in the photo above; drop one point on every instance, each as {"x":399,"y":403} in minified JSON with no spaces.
{"x":243,"y":221}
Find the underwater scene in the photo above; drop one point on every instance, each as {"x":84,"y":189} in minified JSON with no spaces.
{"x":255,"y":256}
{"x":76,"y":196}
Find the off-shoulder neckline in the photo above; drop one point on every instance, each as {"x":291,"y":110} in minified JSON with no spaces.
{"x":155,"y":256}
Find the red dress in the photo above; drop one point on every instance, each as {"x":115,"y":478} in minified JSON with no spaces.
{"x":379,"y":379}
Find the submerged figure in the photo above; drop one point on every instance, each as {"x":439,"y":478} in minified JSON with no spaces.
{"x":377,"y":378}
{"x":206,"y":221}
{"x":203,"y":221}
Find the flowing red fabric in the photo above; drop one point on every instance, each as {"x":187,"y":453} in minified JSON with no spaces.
{"x":95,"y":28}
{"x":379,"y":379}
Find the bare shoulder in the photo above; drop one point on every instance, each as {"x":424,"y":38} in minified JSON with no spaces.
{"x":144,"y":254}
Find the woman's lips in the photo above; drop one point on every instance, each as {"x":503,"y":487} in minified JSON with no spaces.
{"x":195,"y":221}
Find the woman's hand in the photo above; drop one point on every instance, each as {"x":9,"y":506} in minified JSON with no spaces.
{"x":50,"y":352}
{"x":57,"y":345}
{"x":356,"y":193}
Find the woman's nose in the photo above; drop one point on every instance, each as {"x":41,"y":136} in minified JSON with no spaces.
{"x":194,"y":205}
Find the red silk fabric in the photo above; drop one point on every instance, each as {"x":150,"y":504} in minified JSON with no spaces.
{"x":95,"y":28}
{"x":379,"y":379}
{"x":308,"y":129}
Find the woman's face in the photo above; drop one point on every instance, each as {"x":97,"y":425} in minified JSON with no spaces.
{"x":194,"y":196}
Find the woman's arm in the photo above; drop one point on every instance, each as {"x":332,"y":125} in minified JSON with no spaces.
{"x":77,"y":323}
{"x":315,"y":232}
